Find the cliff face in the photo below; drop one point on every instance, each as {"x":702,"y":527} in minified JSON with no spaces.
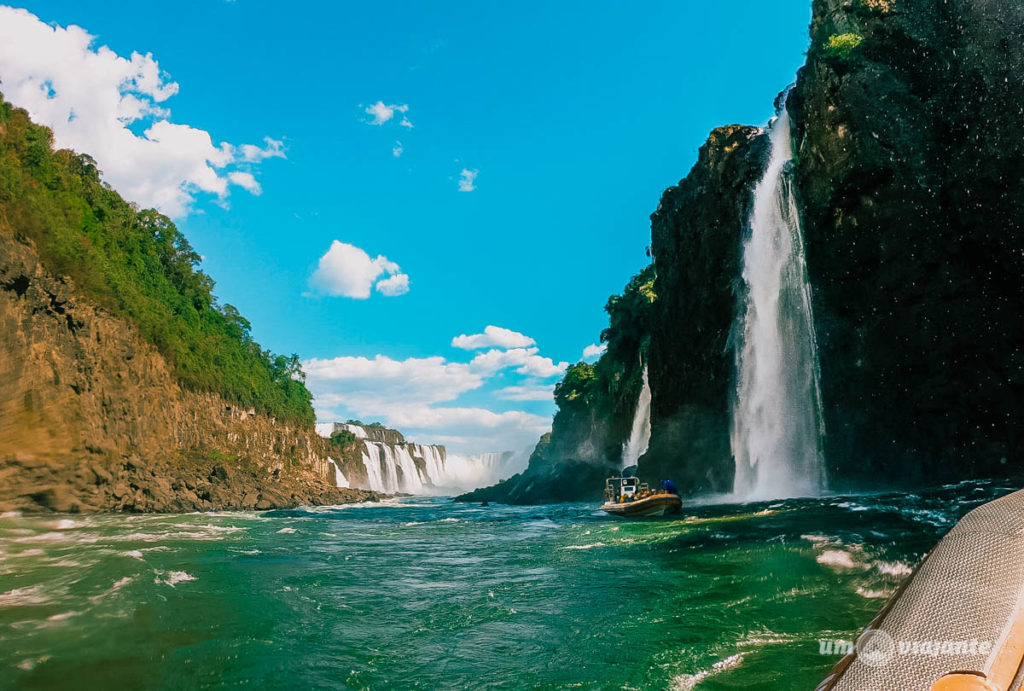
{"x":910,"y":166}
{"x":92,"y":418}
{"x":697,"y":234}
{"x":596,"y":406}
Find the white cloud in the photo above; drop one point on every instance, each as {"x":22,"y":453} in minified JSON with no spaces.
{"x":493,"y":336}
{"x":254,"y":154}
{"x":347,"y":271}
{"x":594,"y":350}
{"x":467,"y":180}
{"x":525,"y":360}
{"x":368,"y":385}
{"x":398,"y":284}
{"x":543,"y":367}
{"x":397,"y":149}
{"x":91,"y":96}
{"x":246,"y":181}
{"x":406,"y":123}
{"x":416,"y":395}
{"x":528,"y":392}
{"x":381,"y":113}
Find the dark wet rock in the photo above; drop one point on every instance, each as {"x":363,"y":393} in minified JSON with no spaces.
{"x":697,"y":234}
{"x":910,"y":166}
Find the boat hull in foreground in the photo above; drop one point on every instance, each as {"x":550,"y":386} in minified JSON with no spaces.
{"x":654,"y":505}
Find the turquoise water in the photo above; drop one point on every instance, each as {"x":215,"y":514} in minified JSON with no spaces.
{"x":428,"y":594}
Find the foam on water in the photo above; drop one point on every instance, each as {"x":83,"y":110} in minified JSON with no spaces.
{"x":436,"y":593}
{"x":687,"y":682}
{"x":173,"y":578}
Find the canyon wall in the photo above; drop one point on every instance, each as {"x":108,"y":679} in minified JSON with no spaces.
{"x":909,"y":172}
{"x":910,"y":166}
{"x":92,"y":418}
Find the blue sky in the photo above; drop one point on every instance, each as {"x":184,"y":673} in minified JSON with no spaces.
{"x":573,"y":116}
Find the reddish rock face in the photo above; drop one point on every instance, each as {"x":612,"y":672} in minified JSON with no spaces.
{"x":92,"y":418}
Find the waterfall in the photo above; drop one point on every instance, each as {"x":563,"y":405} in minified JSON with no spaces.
{"x":394,"y":465}
{"x":433,"y":464}
{"x":411,"y":481}
{"x":480,"y":470}
{"x":355,"y":429}
{"x":777,"y":426}
{"x":374,"y":472}
{"x":339,"y":477}
{"x":640,"y":436}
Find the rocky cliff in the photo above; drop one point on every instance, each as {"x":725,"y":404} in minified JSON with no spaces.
{"x":124,"y":385}
{"x":91,"y":417}
{"x":696,"y":238}
{"x":596,"y":405}
{"x":909,"y":168}
{"x":910,"y":148}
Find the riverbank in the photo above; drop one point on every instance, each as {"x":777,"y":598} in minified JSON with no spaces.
{"x":428,"y":593}
{"x":190,"y":483}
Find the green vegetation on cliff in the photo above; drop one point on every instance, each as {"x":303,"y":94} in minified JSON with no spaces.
{"x":607,"y":390}
{"x":841,"y":46}
{"x":136,"y":264}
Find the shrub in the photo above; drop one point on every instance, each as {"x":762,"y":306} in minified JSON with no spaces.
{"x":841,"y":46}
{"x":575,"y":384}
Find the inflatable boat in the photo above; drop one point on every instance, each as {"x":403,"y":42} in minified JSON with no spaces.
{"x":628,"y":497}
{"x":957,"y":623}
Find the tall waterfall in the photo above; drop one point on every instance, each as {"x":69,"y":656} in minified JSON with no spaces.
{"x":640,"y":435}
{"x":777,"y":426}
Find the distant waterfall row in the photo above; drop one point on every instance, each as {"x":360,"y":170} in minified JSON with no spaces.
{"x":394,"y":465}
{"x":409,"y":468}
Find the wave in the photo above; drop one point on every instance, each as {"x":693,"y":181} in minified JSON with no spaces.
{"x":172,"y":578}
{"x":32,"y":595}
{"x":873,"y":594}
{"x":893,"y":568}
{"x":112,"y":589}
{"x":686,"y":682}
{"x":590,"y":546}
{"x":837,"y":559}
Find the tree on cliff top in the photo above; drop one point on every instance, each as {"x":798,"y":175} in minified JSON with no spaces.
{"x":139,"y":266}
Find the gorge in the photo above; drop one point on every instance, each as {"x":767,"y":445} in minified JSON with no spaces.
{"x":832,"y":302}
{"x":821,"y":346}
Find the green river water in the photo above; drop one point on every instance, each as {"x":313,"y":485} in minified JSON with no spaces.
{"x":424,"y":593}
